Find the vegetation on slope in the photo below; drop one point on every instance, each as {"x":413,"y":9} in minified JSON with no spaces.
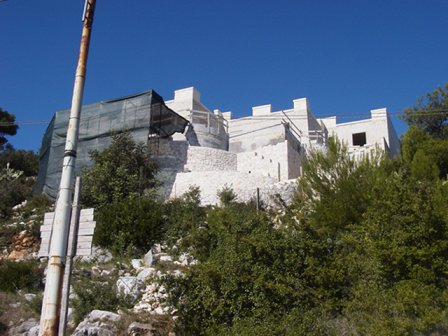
{"x":362,"y":250}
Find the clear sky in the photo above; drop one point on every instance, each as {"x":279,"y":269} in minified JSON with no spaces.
{"x":346,"y":56}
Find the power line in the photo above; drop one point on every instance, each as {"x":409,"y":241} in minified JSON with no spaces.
{"x":25,"y":122}
{"x":267,"y":117}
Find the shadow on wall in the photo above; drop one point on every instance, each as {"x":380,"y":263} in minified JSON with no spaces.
{"x":191,"y":136}
{"x":172,"y":157}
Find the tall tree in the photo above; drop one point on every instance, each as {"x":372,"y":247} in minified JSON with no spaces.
{"x":7,"y":126}
{"x":428,"y":131}
{"x":430,"y":113}
{"x":121,"y":170}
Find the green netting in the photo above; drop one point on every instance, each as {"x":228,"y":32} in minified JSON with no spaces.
{"x":141,"y":115}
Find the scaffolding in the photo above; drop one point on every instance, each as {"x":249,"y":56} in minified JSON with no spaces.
{"x":145,"y":116}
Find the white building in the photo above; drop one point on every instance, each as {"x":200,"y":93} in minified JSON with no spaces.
{"x":265,"y":150}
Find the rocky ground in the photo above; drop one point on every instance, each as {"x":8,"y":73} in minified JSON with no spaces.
{"x":138,"y":281}
{"x":23,"y":243}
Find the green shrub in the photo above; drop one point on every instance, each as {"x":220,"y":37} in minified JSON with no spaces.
{"x":25,"y":275}
{"x":247,"y":271}
{"x":226,"y":195}
{"x":131,"y":226}
{"x":184,"y":215}
{"x":12,"y":193}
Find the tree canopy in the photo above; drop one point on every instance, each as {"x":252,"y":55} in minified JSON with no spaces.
{"x":427,"y":136}
{"x":121,"y":170}
{"x":7,"y":126}
{"x":430,"y":113}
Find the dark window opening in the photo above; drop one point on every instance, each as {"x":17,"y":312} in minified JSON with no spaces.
{"x":359,"y":139}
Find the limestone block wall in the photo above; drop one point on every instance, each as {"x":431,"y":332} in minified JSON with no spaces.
{"x":210,"y":159}
{"x":270,"y":161}
{"x":210,"y":182}
{"x":244,"y":185}
{"x":269,"y":193}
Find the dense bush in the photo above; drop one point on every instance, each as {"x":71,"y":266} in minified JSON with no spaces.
{"x":25,"y":275}
{"x":247,"y":271}
{"x":184,"y":216}
{"x":10,"y":128}
{"x":129,"y":227}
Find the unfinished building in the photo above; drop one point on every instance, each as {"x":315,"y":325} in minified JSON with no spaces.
{"x":265,"y":150}
{"x":212,"y":150}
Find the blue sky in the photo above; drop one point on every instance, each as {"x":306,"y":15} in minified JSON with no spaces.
{"x":347,"y":57}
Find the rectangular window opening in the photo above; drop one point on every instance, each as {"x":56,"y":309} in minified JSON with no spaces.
{"x":359,"y":139}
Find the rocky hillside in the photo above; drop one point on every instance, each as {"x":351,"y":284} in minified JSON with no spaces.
{"x":132,"y":287}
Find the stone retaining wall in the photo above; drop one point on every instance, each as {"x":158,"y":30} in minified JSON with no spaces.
{"x":244,"y":185}
{"x":210,"y":159}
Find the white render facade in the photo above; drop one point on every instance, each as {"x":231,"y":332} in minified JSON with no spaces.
{"x":265,"y":150}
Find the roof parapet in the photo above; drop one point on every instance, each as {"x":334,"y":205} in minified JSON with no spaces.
{"x":379,"y":113}
{"x":261,"y":110}
{"x":227,"y":115}
{"x":329,"y":122}
{"x":301,"y":104}
{"x":187,"y":94}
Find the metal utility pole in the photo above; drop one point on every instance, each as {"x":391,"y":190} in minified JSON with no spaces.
{"x":49,"y":322}
{"x":71,"y":253}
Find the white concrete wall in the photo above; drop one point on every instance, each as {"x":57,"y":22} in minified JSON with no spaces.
{"x":295,"y":157}
{"x":394,"y":141}
{"x":207,"y":128}
{"x":270,"y":161}
{"x":265,"y":127}
{"x":248,"y":134}
{"x":377,"y":131}
{"x":183,"y":101}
